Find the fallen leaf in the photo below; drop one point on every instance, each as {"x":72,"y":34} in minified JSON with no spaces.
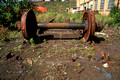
{"x":29,"y":61}
{"x":78,"y":64}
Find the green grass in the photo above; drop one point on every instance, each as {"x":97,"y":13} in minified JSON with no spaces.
{"x":104,"y":19}
{"x":60,"y":17}
{"x":57,"y":5}
{"x":58,"y":10}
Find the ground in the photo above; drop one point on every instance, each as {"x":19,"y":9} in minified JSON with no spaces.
{"x":61,"y":55}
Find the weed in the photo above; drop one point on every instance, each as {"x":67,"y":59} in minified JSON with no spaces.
{"x":4,"y":33}
{"x":90,"y":54}
{"x":38,"y":53}
{"x":70,"y":51}
{"x":65,"y":54}
{"x":74,"y":40}
{"x":14,"y":34}
{"x":35,"y":59}
{"x":74,"y":55}
{"x":44,"y":41}
{"x":0,"y":49}
{"x":32,"y":42}
{"x":107,"y":39}
{"x":15,"y":48}
{"x":82,"y":40}
{"x":18,"y":48}
{"x":80,"y":48}
{"x":93,"y":54}
{"x":51,"y":49}
{"x":90,"y":48}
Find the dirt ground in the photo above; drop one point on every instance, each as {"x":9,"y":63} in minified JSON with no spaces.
{"x":61,"y":55}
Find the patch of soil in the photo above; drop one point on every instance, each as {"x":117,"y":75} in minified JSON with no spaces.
{"x":62,"y":57}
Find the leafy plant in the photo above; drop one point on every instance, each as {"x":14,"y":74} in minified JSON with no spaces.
{"x":44,"y":40}
{"x":11,"y":11}
{"x":32,"y":42}
{"x":65,"y":54}
{"x":115,"y":14}
{"x":90,"y":54}
{"x":74,"y":40}
{"x":38,"y":53}
{"x":18,"y":48}
{"x":90,"y":48}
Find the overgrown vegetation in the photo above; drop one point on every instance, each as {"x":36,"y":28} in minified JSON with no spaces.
{"x":58,"y":10}
{"x":115,"y":14}
{"x":112,"y":19}
{"x":12,"y":11}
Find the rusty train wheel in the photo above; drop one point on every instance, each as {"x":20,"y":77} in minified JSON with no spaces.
{"x":29,"y":25}
{"x":86,"y":33}
{"x":90,"y":27}
{"x":93,"y":24}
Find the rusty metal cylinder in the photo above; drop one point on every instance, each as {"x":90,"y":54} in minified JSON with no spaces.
{"x":61,"y":25}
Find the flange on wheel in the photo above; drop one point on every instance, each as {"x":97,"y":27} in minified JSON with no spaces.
{"x":29,"y":25}
{"x":89,"y":20}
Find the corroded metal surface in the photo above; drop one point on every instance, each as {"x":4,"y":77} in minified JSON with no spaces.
{"x":87,"y":17}
{"x":23,"y":25}
{"x":93,"y":24}
{"x":61,"y":25}
{"x":29,"y":25}
{"x":99,"y":26}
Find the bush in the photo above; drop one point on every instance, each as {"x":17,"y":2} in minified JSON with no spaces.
{"x":12,"y":11}
{"x":115,"y":14}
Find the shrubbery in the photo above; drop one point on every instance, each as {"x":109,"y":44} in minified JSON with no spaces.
{"x":11,"y":12}
{"x":115,"y":14}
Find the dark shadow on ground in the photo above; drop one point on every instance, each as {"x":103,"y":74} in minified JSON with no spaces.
{"x":51,"y":37}
{"x":98,"y":39}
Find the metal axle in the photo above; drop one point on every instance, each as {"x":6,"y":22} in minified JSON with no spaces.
{"x":61,"y":25}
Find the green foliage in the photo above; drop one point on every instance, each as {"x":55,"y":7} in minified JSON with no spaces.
{"x":115,"y":14}
{"x":54,"y":6}
{"x":38,"y":53}
{"x":112,"y":19}
{"x":116,"y":18}
{"x":32,"y":42}
{"x":90,"y":48}
{"x":90,"y":54}
{"x":18,"y":48}
{"x":58,"y":9}
{"x":3,"y":33}
{"x":113,"y":11}
{"x":12,"y":11}
{"x":44,"y":40}
{"x":74,"y":40}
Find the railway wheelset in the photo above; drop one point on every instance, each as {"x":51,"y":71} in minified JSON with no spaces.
{"x":29,"y":25}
